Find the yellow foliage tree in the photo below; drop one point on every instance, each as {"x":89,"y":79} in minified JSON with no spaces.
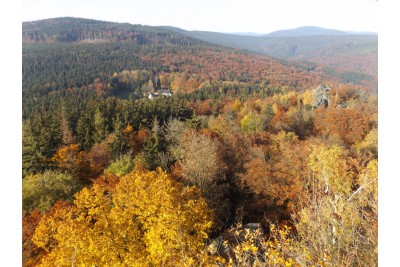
{"x":251,"y":123}
{"x":237,"y":106}
{"x":146,"y":219}
{"x":339,"y":224}
{"x":307,"y":97}
{"x":328,"y":165}
{"x":369,"y":144}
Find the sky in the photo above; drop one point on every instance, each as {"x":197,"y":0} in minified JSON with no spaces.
{"x":258,"y":16}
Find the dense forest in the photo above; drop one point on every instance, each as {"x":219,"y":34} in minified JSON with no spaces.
{"x":248,"y":161}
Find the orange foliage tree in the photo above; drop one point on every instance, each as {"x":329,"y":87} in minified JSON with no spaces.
{"x":279,"y":170}
{"x":349,"y":125}
{"x":70,"y":158}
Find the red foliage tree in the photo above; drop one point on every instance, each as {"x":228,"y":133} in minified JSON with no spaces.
{"x":31,"y":254}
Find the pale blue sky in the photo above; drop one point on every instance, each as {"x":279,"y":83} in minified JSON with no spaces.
{"x":216,"y":15}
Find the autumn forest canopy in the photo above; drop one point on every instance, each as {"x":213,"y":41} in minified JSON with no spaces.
{"x":147,"y":146}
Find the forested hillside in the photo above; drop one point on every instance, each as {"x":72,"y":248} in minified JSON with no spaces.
{"x":349,"y":57}
{"x":70,"y":29}
{"x":145,"y":147}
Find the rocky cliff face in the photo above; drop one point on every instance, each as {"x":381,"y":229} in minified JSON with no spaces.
{"x":321,"y":96}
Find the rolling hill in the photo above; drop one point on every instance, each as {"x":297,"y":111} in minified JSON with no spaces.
{"x":305,"y":31}
{"x":66,"y":53}
{"x":352,"y":57}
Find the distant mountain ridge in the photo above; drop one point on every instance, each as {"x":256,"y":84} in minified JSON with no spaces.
{"x":295,"y":32}
{"x":314,"y":31}
{"x":305,"y":31}
{"x":246,"y":33}
{"x":301,"y":43}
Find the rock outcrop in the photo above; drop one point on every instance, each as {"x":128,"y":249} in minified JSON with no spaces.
{"x":223,"y":244}
{"x":321,"y":96}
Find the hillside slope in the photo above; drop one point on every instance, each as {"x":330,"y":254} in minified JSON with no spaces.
{"x":71,"y":53}
{"x":352,"y":58}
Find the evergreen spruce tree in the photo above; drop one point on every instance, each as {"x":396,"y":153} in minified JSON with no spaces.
{"x":100,"y":127}
{"x":120,"y":144}
{"x":32,"y":154}
{"x":67,"y":136}
{"x":266,"y":116}
{"x":85,"y":129}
